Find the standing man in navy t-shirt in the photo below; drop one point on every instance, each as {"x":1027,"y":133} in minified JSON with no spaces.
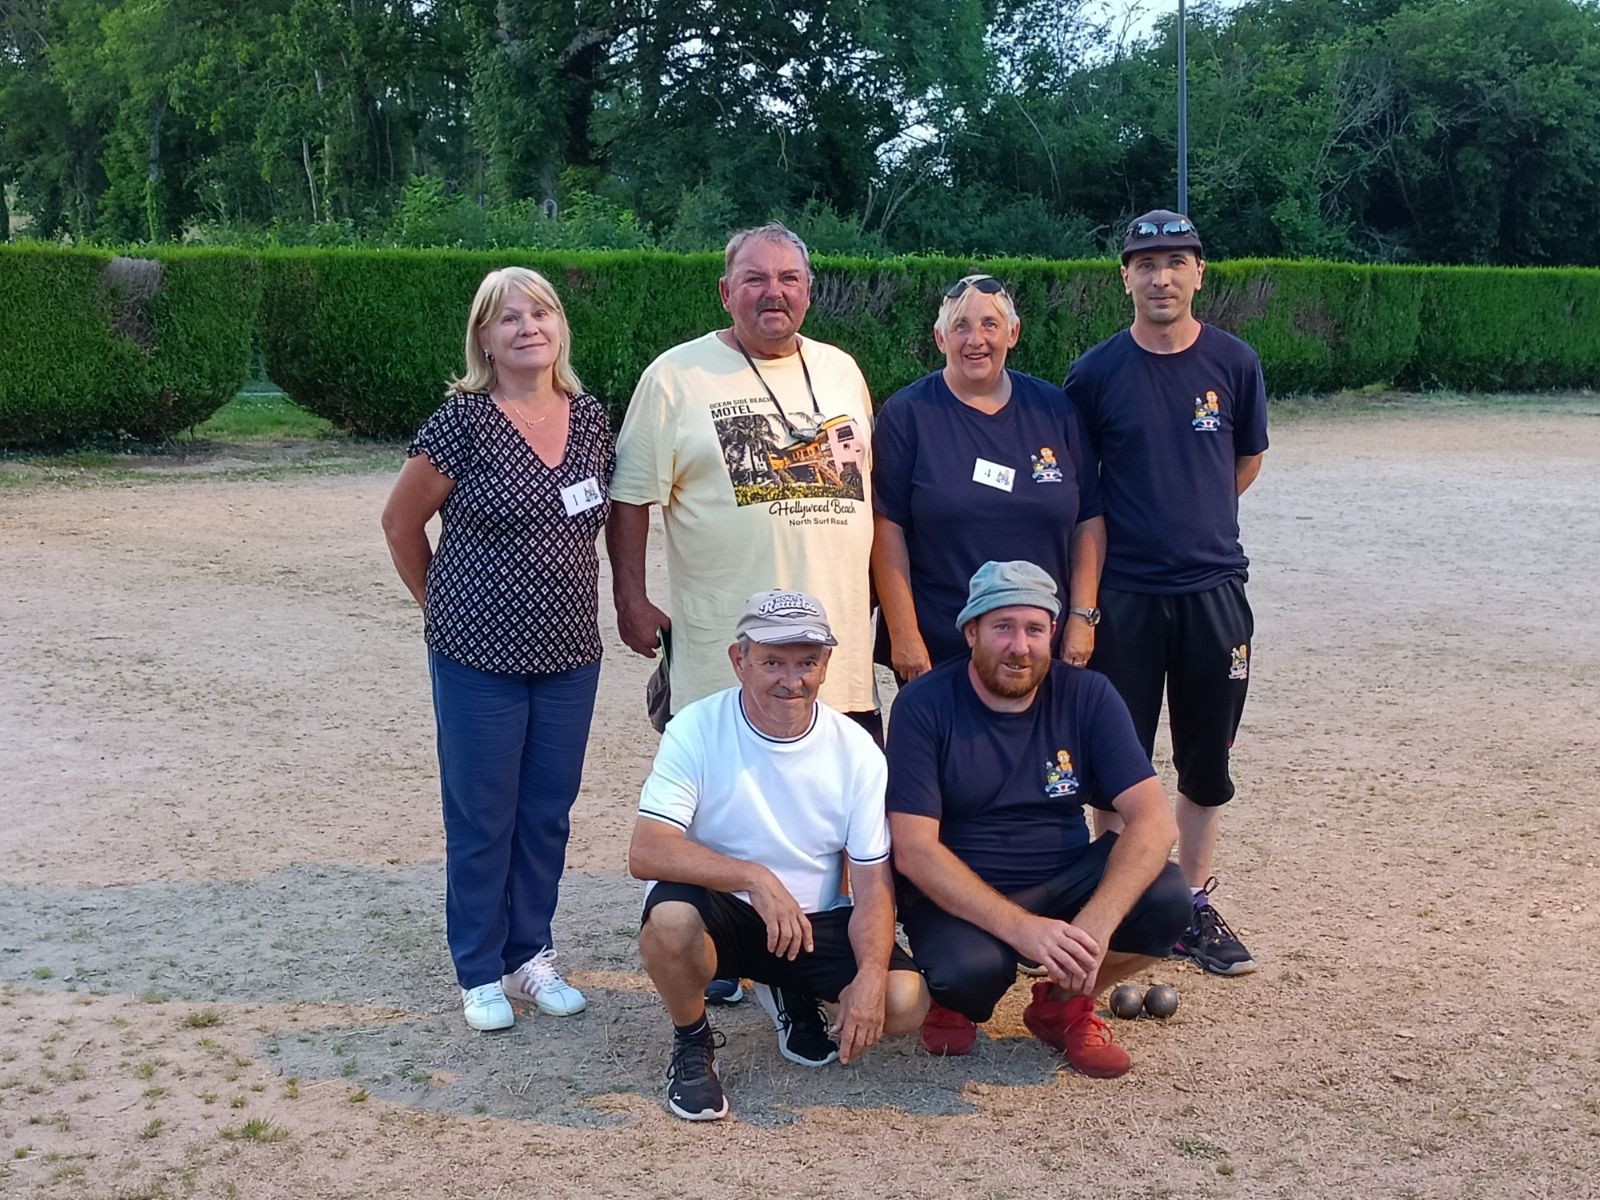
{"x":992,"y":757}
{"x":1177,"y":413}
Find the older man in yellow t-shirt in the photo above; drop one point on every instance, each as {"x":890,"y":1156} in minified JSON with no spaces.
{"x":756,"y":443}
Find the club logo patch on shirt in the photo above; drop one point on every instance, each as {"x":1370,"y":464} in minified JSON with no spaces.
{"x":1207,"y":413}
{"x":1045,"y":467}
{"x":1059,"y":779}
{"x":1239,"y":668}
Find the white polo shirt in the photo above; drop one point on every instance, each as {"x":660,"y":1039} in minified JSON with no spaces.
{"x":791,"y":805}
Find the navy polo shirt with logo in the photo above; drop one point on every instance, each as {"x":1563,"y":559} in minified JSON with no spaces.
{"x":1167,"y":429}
{"x":967,"y":487}
{"x":1009,"y":789}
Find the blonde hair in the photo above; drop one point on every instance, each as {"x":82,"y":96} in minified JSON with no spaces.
{"x":949,"y":309}
{"x":480,"y":374}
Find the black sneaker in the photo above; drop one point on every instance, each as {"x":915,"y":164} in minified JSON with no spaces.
{"x":801,"y":1024}
{"x":724,"y":991}
{"x":694,"y":1091}
{"x":1210,"y":942}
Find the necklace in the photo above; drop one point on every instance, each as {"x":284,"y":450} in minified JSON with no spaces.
{"x":516,"y":416}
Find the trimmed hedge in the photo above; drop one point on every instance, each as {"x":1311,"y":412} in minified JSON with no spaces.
{"x":95,"y":345}
{"x":1318,"y":327}
{"x":367,"y":338}
{"x":1492,"y":329}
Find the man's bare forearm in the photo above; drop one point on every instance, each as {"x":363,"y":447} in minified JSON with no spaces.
{"x":872,"y":920}
{"x":1245,"y":469}
{"x":627,"y":532}
{"x":1138,"y":857}
{"x":660,"y":851}
{"x":956,"y":888}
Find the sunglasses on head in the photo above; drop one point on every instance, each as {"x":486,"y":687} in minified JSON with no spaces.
{"x":1150,"y":229}
{"x":987,"y":284}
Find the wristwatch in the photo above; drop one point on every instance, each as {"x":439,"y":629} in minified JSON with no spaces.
{"x":1091,"y":615}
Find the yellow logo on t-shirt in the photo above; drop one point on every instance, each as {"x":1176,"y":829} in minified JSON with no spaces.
{"x":1045,"y":467}
{"x":1059,"y":779}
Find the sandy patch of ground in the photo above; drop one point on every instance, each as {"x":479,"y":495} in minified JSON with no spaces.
{"x":220,"y":887}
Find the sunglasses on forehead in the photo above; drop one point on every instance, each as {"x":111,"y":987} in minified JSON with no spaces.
{"x":987,"y":284}
{"x":1150,"y":229}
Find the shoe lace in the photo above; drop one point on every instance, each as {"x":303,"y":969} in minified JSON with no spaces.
{"x":807,"y":1014}
{"x":1093,"y":1030}
{"x":484,"y":993}
{"x":541,"y":971}
{"x":692,"y":1057}
{"x":1208,"y":922}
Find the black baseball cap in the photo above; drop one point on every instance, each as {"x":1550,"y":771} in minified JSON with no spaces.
{"x":1161,"y":229}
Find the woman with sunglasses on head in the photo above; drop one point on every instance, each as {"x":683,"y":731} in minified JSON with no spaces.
{"x":976,"y":462}
{"x":517,"y":463}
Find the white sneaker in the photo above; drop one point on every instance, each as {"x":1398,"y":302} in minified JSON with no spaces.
{"x":539,"y":983}
{"x":486,"y":1007}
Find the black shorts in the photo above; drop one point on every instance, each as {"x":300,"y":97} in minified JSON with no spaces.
{"x":740,"y":936}
{"x":1196,"y":645}
{"x":969,"y":969}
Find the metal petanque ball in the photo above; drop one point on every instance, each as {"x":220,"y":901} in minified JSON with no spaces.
{"x":1126,"y":1000}
{"x":1161,"y":1000}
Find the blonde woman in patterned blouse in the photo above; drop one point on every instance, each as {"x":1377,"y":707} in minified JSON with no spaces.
{"x":517,"y":464}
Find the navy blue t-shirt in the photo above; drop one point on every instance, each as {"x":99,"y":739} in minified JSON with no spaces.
{"x":926,"y":447}
{"x":1166,"y":429}
{"x":1008,"y":789}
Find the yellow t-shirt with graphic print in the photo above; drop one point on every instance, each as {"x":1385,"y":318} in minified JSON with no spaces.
{"x":755,"y":495}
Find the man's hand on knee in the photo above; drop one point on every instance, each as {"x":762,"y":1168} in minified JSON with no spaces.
{"x":1070,"y":955}
{"x":861,"y":1014}
{"x":788,"y":928}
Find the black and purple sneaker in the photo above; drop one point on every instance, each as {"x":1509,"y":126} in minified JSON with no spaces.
{"x":1209,"y":942}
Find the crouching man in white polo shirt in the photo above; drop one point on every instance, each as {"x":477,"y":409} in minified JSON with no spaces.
{"x":757,"y":795}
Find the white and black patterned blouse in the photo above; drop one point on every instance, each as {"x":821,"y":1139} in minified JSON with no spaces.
{"x":514,"y":585}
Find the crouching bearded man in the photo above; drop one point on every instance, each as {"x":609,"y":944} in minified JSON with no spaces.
{"x":992,"y":758}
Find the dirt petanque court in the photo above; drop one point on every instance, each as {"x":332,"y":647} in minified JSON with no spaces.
{"x":222,"y":962}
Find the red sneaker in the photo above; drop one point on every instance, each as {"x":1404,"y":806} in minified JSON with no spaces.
{"x":946,"y":1033}
{"x":1072,"y":1028}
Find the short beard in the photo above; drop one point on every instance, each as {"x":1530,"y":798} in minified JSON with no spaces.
{"x":988,"y":668}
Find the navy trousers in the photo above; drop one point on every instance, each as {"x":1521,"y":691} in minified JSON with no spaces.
{"x":511,"y":753}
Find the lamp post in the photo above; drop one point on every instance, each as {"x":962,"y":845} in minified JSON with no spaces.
{"x":1183,"y":111}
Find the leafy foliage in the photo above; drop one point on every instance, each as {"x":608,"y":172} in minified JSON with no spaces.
{"x":1375,"y":130}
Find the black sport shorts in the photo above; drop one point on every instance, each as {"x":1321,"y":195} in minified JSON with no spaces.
{"x":1195,"y":646}
{"x":740,"y":936}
